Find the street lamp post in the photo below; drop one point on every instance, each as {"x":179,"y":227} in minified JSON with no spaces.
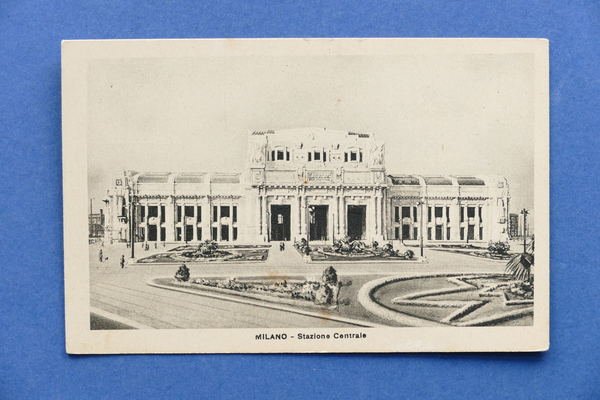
{"x":524,"y":212}
{"x":420,"y":204}
{"x":132,"y":222}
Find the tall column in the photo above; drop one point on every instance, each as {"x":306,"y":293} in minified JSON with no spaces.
{"x":159,"y":238}
{"x":219,"y":220}
{"x":264,"y":218}
{"x":455,"y":220}
{"x":170,"y":220}
{"x":302,"y":222}
{"x":206,"y":223}
{"x":444,"y":222}
{"x":258,"y":214}
{"x":343,"y":215}
{"x":230,"y":222}
{"x":195,"y":230}
{"x":183,"y":238}
{"x":146,"y":219}
{"x":295,"y":217}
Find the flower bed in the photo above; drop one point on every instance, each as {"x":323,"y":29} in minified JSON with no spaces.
{"x":347,"y":249}
{"x":208,"y":252}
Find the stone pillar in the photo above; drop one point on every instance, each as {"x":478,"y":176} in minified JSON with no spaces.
{"x":170,"y":220}
{"x":219,"y":220}
{"x":302,"y":213}
{"x":159,"y":238}
{"x":343,"y":215}
{"x":195,"y":231}
{"x":444,"y":222}
{"x":264,"y":219}
{"x":455,"y":220}
{"x":146,"y":222}
{"x":183,"y":238}
{"x":206,"y":223}
{"x":231,"y":222}
{"x":259,"y":214}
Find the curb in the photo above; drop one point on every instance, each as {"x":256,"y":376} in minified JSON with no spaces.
{"x":264,"y":304}
{"x":117,"y":318}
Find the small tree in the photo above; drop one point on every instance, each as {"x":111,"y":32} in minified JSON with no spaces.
{"x":330,"y":276}
{"x":498,"y":248}
{"x":183,"y":273}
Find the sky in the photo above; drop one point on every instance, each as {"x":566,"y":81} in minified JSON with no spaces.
{"x":437,"y":114}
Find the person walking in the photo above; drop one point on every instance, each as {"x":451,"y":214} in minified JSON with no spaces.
{"x":122,"y":261}
{"x":100,"y":255}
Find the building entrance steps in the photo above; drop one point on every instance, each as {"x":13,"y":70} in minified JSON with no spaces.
{"x":289,"y":257}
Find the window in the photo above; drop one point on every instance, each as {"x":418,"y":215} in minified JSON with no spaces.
{"x":428,"y":214}
{"x":235,"y":233}
{"x":471,"y":232}
{"x":438,"y":232}
{"x":234,"y":214}
{"x":162,"y":214}
{"x":214,"y":233}
{"x":279,"y":155}
{"x":352,"y":156}
{"x":309,"y":156}
{"x":272,"y":155}
{"x":287,"y":155}
{"x":214,"y":217}
{"x":481,"y":233}
{"x":397,"y":233}
{"x":189,"y":211}
{"x":179,"y":213}
{"x":447,"y":214}
{"x":199,"y":213}
{"x":143,"y":213}
{"x":429,"y":233}
{"x":405,"y":212}
{"x":324,"y":156}
{"x":471,"y":212}
{"x":224,"y":211}
{"x":178,"y":234}
{"x":397,"y":214}
{"x":317,"y":156}
{"x":480,"y":213}
{"x":448,"y":233}
{"x":415,"y":233}
{"x":360,"y":156}
{"x":439,"y":211}
{"x":462,"y":233}
{"x":462,"y":215}
{"x":345,"y":157}
{"x":415,"y":214}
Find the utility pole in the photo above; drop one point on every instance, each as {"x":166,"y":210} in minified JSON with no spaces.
{"x":132,"y":222}
{"x":524,"y":212}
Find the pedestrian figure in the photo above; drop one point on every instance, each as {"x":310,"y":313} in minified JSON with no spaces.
{"x":155,"y":246}
{"x":282,"y":246}
{"x":100,"y":255}
{"x":122,"y":261}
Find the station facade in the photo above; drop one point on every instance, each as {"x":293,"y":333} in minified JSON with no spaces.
{"x":312,"y":183}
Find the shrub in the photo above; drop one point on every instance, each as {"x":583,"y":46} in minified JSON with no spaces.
{"x":409,"y":254}
{"x":183,"y":273}
{"x":330,"y":276}
{"x":498,"y":248}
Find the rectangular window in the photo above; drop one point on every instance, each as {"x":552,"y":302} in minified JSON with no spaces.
{"x":199,"y":232}
{"x":428,"y":214}
{"x":438,"y":232}
{"x":143,"y":213}
{"x":287,"y":155}
{"x":225,"y":233}
{"x":309,"y":156}
{"x":447,"y":214}
{"x":163,"y":234}
{"x":405,"y":212}
{"x":415,"y":233}
{"x":397,"y":233}
{"x":234,"y":213}
{"x":214,"y":217}
{"x":162,"y":214}
{"x":352,"y":156}
{"x":397,"y":214}
{"x":152,"y":211}
{"x":324,"y":156}
{"x":462,"y":215}
{"x":199,"y":213}
{"x":272,"y":155}
{"x":415,"y":214}
{"x":345,"y":157}
{"x":471,"y":232}
{"x":481,"y":233}
{"x":448,"y":233}
{"x":317,"y":156}
{"x":213,"y":233}
{"x":178,"y":213}
{"x":189,"y":211}
{"x":471,"y":212}
{"x":438,"y":212}
{"x":462,"y":233}
{"x":429,"y":233}
{"x":224,"y":211}
{"x":178,"y":234}
{"x":279,"y":155}
{"x":360,"y":156}
{"x":405,"y":232}
{"x":235,"y":233}
{"x":480,"y":213}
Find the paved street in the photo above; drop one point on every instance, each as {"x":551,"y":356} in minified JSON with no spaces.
{"x":124,"y":292}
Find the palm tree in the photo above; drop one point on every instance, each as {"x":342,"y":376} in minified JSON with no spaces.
{"x":519,"y":265}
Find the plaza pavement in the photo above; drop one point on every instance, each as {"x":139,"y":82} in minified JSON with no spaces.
{"x":124,"y":292}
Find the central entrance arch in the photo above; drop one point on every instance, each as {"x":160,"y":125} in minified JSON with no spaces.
{"x":357,"y":220}
{"x":280,"y":223}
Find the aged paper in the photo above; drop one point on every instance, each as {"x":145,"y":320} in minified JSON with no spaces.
{"x":306,"y":195}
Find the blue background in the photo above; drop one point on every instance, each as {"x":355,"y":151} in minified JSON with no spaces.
{"x":33,"y":363}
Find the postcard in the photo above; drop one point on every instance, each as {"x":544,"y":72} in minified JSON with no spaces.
{"x":306,"y":195}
